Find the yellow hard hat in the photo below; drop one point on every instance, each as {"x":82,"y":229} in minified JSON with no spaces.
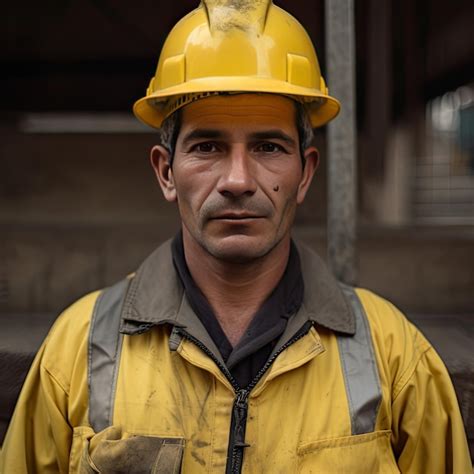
{"x":236,"y":46}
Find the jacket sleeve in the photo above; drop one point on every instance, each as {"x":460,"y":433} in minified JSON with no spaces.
{"x":427,"y":428}
{"x":53,"y":399}
{"x":39,"y":436}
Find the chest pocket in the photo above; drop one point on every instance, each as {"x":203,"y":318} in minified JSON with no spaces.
{"x":114,"y":452}
{"x":359,"y":454}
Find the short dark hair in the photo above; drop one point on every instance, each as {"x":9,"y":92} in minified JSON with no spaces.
{"x":169,"y":132}
{"x":171,"y":126}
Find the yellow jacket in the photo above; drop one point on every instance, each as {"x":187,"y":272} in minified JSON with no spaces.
{"x":172,"y":405}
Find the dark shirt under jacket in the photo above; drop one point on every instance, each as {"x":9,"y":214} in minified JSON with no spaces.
{"x":245,"y":360}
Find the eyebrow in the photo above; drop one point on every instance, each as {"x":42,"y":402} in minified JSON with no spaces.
{"x":199,"y":133}
{"x":273,"y":134}
{"x":211,"y":133}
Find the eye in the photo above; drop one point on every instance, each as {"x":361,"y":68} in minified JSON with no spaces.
{"x":205,"y":147}
{"x":269,"y":147}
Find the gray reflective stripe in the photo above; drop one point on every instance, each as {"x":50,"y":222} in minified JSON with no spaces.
{"x":360,"y":370}
{"x":105,"y":344}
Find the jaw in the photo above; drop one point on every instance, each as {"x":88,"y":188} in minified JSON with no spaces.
{"x":235,"y":243}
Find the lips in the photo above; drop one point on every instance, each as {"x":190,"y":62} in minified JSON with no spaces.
{"x":237,"y":216}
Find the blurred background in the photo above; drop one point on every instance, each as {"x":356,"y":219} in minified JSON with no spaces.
{"x":80,"y":208}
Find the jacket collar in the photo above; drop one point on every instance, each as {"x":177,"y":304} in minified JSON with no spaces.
{"x":156,"y":296}
{"x":324,"y":301}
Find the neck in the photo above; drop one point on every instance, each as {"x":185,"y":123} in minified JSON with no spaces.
{"x":235,"y":291}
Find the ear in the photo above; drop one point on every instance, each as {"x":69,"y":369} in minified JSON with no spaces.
{"x":160,"y":160}
{"x":311,"y":162}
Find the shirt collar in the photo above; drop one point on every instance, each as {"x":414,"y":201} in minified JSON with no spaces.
{"x":156,"y":296}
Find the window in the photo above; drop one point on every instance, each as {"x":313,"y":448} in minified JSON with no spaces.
{"x":444,"y":179}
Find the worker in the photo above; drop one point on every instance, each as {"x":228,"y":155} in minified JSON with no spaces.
{"x":232,"y":348}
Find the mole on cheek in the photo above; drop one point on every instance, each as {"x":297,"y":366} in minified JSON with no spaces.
{"x":276,"y":188}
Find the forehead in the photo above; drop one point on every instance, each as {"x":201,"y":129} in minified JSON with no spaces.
{"x":245,"y":111}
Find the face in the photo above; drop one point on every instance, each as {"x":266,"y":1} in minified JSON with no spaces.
{"x":237,"y":174}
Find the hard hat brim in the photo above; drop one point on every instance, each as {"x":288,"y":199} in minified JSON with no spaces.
{"x":152,"y":109}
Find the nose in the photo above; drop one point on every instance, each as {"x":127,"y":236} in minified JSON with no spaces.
{"x":237,"y":178}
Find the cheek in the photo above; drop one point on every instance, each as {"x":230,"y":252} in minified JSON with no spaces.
{"x":283,"y":187}
{"x":286,"y":198}
{"x":191,"y":192}
{"x":284,"y":171}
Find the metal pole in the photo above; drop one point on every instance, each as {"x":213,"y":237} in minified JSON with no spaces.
{"x":340,"y":60}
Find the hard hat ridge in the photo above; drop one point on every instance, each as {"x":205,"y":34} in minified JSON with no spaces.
{"x":245,"y":15}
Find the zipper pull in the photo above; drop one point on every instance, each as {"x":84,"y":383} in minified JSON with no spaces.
{"x":240,"y":417}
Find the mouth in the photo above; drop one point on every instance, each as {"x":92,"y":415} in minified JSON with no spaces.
{"x":236,"y":216}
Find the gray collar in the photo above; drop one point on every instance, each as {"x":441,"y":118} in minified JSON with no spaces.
{"x":323,"y":300}
{"x":156,"y":296}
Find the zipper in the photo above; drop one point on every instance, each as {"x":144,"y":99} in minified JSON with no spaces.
{"x":299,"y":335}
{"x":222,"y":367}
{"x":238,"y":424}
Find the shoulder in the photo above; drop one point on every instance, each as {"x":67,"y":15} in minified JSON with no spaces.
{"x":75,"y":318}
{"x":65,"y":347}
{"x":399,"y":345}
{"x":387,"y":321}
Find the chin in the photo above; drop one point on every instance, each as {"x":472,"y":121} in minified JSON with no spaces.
{"x":239,"y":248}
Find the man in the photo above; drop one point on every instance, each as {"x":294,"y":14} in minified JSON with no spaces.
{"x":232,"y":349}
